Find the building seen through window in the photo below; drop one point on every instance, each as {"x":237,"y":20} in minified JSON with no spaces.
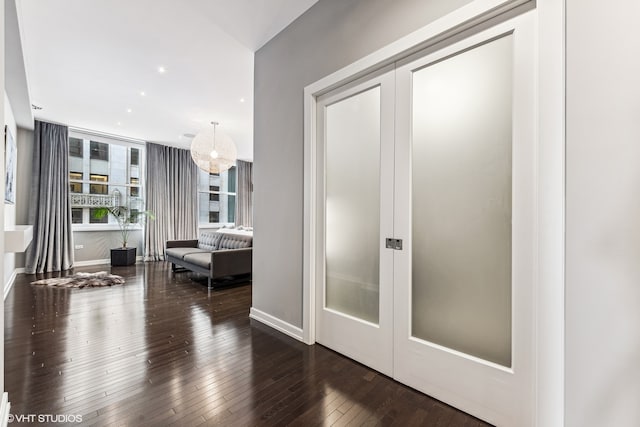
{"x":217,"y":197}
{"x":103,"y":174}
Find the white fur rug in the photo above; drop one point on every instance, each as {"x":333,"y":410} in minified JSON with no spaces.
{"x":82,"y":280}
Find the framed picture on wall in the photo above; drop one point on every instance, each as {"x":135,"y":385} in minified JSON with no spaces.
{"x":11,"y":160}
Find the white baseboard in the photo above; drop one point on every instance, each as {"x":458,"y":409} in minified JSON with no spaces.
{"x":5,"y":410}
{"x":277,"y":324}
{"x":11,"y":281}
{"x":91,"y":262}
{"x":99,"y":262}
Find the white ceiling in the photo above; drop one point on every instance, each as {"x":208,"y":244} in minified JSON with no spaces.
{"x":87,"y":63}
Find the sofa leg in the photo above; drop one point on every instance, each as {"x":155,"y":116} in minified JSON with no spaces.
{"x":173,"y":267}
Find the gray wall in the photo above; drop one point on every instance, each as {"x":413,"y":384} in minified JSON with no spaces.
{"x":603,"y":214}
{"x":98,"y":244}
{"x":329,"y":36}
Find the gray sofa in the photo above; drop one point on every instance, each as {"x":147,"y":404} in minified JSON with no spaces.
{"x":217,"y":255}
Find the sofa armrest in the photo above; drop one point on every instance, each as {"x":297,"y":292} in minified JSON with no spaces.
{"x":182,"y":244}
{"x":231,"y":262}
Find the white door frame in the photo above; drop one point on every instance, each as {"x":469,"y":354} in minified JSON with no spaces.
{"x":548,"y":357}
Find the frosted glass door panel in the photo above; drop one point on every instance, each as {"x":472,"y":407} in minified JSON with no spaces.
{"x":352,"y":141}
{"x":461,"y":202}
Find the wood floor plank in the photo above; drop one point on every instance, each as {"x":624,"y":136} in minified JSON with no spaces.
{"x":163,"y":350}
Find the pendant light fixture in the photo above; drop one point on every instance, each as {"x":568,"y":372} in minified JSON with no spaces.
{"x":213,"y":151}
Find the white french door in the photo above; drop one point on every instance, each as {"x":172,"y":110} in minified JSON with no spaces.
{"x":464,"y":207}
{"x":356,"y":127}
{"x":437,"y":154}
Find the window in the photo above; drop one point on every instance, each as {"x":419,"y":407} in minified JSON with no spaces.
{"x":76,"y":215}
{"x":103,"y":173}
{"x":76,"y":147}
{"x":75,"y":182}
{"x":217,"y":197}
{"x":98,"y":188}
{"x":134,"y":190}
{"x":92,"y":220}
{"x":133,"y":215}
{"x":99,"y":151}
{"x":214,"y":196}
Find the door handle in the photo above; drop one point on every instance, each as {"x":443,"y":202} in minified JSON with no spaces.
{"x":395,"y":244}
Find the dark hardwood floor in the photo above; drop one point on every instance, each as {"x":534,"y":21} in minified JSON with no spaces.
{"x":162,"y":350}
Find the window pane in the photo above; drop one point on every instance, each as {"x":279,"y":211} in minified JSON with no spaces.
{"x":76,"y":215}
{"x":135,"y":156}
{"x":461,"y":202}
{"x":99,"y":178}
{"x":231,"y":208}
{"x":98,"y":188}
{"x":231,"y":176}
{"x":133,"y":216}
{"x":76,"y":147}
{"x":99,"y":151}
{"x":352,"y":219}
{"x":134,"y":191}
{"x":213,"y":197}
{"x":92,"y":220}
{"x":75,"y":187}
{"x":224,"y":208}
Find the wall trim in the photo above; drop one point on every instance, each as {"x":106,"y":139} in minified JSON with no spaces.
{"x":5,"y":410}
{"x":91,"y":262}
{"x":9,"y":285}
{"x":277,"y":324}
{"x":550,"y":289}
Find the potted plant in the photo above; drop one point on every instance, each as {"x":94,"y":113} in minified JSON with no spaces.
{"x":126,"y":219}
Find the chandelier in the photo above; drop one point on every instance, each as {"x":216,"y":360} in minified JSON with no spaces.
{"x":213,"y":153}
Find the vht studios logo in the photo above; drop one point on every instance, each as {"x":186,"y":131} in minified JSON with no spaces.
{"x":45,"y":418}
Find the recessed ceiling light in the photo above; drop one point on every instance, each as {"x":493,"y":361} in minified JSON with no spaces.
{"x":162,"y":70}
{"x":241,"y":99}
{"x":129,"y":110}
{"x":142,"y":93}
{"x":119,"y":123}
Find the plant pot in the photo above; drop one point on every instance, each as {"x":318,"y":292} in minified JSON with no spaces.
{"x":123,"y":256}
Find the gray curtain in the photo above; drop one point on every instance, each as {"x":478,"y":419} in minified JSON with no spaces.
{"x":244,"y":194}
{"x":171,"y":188}
{"x":49,"y":207}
